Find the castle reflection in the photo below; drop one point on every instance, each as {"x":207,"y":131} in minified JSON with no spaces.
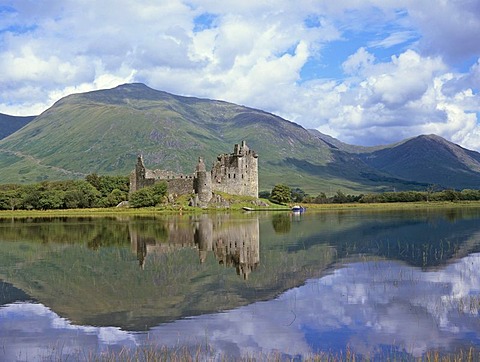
{"x":234,"y":243}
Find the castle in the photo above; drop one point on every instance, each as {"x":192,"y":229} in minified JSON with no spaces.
{"x":235,"y":173}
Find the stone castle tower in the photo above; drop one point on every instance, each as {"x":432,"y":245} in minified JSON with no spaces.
{"x":202,"y":184}
{"x":235,"y":173}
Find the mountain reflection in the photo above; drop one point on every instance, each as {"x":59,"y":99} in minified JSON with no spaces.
{"x":233,"y":244}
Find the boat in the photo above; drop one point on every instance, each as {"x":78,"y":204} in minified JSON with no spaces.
{"x":246,"y":208}
{"x":297,"y":208}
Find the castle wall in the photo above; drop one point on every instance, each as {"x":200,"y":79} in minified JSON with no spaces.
{"x":235,"y":173}
{"x":179,"y":186}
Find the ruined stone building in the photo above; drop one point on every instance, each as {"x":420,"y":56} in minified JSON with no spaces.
{"x":235,"y":173}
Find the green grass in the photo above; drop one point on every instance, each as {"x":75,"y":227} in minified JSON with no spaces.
{"x":237,"y":206}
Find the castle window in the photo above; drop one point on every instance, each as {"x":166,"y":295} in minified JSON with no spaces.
{"x":233,"y":175}
{"x":228,"y":175}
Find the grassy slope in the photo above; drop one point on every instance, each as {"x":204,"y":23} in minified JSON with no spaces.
{"x":103,"y":132}
{"x":429,"y":159}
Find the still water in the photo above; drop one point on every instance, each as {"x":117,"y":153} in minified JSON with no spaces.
{"x":374,"y":284}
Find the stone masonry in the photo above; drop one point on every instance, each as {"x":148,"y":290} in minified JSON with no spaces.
{"x":235,"y":173}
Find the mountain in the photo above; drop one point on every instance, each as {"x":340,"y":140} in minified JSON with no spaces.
{"x":342,"y":146}
{"x":103,"y":131}
{"x":428,"y":159}
{"x":11,"y":124}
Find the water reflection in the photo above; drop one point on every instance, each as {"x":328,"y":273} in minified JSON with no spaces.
{"x":376,"y":283}
{"x":233,"y":244}
{"x":376,"y":309}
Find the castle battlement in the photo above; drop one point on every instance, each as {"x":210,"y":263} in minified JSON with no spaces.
{"x":235,"y":173}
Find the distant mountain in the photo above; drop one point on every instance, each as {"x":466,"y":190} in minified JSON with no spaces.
{"x":339,"y":145}
{"x":103,"y":132}
{"x":11,"y":124}
{"x":428,"y":159}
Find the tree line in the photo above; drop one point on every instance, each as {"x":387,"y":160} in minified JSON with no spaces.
{"x":108,"y":191}
{"x":283,"y":194}
{"x":93,"y":191}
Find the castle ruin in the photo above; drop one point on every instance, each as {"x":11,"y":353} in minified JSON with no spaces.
{"x":235,"y":173}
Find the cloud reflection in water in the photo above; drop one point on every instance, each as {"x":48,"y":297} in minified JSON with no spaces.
{"x":371,"y":307}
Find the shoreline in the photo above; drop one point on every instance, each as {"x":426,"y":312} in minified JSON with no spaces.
{"x":238,"y":209}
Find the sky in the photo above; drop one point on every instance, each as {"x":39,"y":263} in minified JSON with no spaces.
{"x":367,"y":72}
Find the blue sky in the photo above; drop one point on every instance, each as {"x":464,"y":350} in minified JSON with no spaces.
{"x":367,"y":72}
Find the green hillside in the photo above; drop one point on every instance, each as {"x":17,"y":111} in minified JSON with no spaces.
{"x":429,"y":159}
{"x":103,"y":132}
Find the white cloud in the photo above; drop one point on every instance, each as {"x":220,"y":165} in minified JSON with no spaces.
{"x":448,"y":28}
{"x":358,"y":62}
{"x":388,"y":101}
{"x":257,"y":54}
{"x":394,"y":39}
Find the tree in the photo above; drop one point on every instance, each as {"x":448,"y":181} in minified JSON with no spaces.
{"x":81,"y":195}
{"x":159,"y":191}
{"x":142,"y":198}
{"x":281,"y":194}
{"x":264,"y":195}
{"x":94,"y":180}
{"x":298,"y":195}
{"x":340,"y":198}
{"x":321,"y":198}
{"x":115,"y":197}
{"x":148,"y":196}
{"x":51,"y":199}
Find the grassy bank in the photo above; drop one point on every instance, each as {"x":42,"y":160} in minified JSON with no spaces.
{"x":393,"y":205}
{"x":235,"y":207}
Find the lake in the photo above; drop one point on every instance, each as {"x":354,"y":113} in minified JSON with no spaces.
{"x":288,"y":285}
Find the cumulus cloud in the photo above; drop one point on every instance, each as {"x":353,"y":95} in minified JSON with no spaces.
{"x":396,"y":70}
{"x":408,"y":95}
{"x":448,"y":28}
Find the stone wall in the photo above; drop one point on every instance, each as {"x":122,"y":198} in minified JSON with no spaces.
{"x":235,"y":173}
{"x":180,"y":186}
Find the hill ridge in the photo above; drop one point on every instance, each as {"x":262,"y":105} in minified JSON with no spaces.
{"x":103,"y":131}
